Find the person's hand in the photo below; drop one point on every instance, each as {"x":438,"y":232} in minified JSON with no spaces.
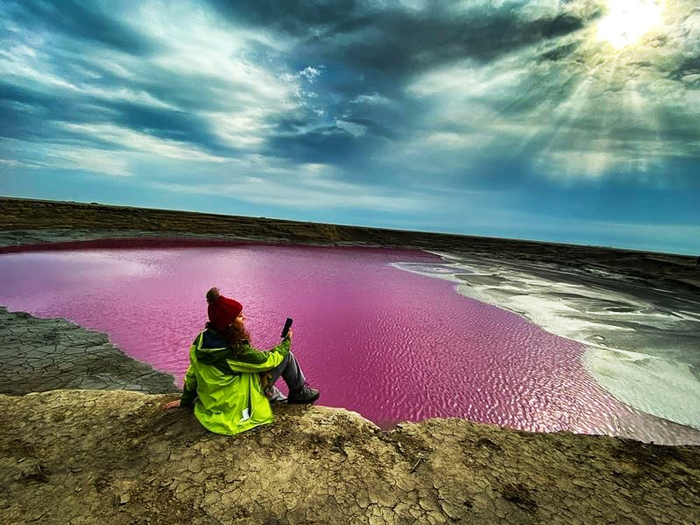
{"x":290,"y":334}
{"x":170,"y":404}
{"x":265,"y":379}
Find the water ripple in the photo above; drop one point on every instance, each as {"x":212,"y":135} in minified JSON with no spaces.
{"x":389,"y":343}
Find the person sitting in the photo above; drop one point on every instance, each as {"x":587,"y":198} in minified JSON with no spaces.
{"x":229,"y":382}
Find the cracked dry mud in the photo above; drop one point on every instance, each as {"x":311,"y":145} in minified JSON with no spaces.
{"x":115,"y":457}
{"x":46,"y":354}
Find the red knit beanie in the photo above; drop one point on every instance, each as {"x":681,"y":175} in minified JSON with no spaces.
{"x":222,"y":310}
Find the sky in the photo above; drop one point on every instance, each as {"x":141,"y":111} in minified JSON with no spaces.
{"x":574,"y":121}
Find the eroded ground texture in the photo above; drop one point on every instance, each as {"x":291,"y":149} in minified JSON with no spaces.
{"x":45,"y":354}
{"x":116,"y":457}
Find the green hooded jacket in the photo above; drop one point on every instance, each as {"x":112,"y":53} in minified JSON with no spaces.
{"x":225,"y":389}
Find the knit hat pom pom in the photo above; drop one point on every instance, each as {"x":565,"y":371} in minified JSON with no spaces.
{"x":213,"y":295}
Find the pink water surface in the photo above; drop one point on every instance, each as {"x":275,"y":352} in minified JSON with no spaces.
{"x":390,"y":344}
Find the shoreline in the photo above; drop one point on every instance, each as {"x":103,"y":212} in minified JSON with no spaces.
{"x":610,"y":319}
{"x":609,"y":304}
{"x":676,"y":432}
{"x":44,"y":354}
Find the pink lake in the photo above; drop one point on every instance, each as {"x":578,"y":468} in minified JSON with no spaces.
{"x":390,"y":344}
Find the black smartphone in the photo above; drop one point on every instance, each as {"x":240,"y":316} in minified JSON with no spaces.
{"x":287,"y":326}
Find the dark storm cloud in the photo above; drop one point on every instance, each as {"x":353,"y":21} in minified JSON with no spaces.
{"x":381,"y":48}
{"x":690,"y":65}
{"x":332,"y":144}
{"x":365,"y":49}
{"x":401,"y":41}
{"x":88,"y":21}
{"x":405,"y":44}
{"x":33,"y":115}
{"x":328,"y":144}
{"x":438,"y":86}
{"x":13,"y":93}
{"x":346,"y":141}
{"x":559,"y":52}
{"x":297,"y":17}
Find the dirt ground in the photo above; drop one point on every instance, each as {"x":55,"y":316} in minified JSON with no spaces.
{"x":84,"y":457}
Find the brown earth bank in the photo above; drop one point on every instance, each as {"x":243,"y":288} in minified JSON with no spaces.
{"x":25,"y":221}
{"x":84,"y":457}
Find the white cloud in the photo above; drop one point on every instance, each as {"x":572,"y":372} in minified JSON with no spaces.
{"x":371,"y":99}
{"x":12,"y":163}
{"x":310,"y":74}
{"x":22,"y":63}
{"x":245,"y":129}
{"x":355,"y":129}
{"x":135,"y":141}
{"x":469,"y":78}
{"x":303,"y":186}
{"x":89,"y":160}
{"x":125,"y":94}
{"x":40,"y":156}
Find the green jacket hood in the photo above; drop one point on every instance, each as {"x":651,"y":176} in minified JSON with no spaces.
{"x":211,"y":348}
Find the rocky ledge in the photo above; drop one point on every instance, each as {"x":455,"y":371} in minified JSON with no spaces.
{"x":83,"y":457}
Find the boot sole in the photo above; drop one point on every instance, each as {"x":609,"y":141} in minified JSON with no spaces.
{"x":302,"y":401}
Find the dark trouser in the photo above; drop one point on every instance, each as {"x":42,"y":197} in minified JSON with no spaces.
{"x":291,"y":372}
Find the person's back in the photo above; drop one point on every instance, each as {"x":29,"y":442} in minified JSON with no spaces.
{"x":224,"y":379}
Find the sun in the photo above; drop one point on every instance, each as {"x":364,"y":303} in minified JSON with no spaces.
{"x":629,"y":20}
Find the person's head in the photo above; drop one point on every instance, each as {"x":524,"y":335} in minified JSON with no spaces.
{"x":226,"y":317}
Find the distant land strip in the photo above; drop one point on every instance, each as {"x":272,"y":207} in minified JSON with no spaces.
{"x":58,"y":221}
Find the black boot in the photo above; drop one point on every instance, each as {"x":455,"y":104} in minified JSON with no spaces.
{"x":303,"y":396}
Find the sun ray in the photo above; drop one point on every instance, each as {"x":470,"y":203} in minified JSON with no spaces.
{"x":647,"y":117}
{"x":585,"y":152}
